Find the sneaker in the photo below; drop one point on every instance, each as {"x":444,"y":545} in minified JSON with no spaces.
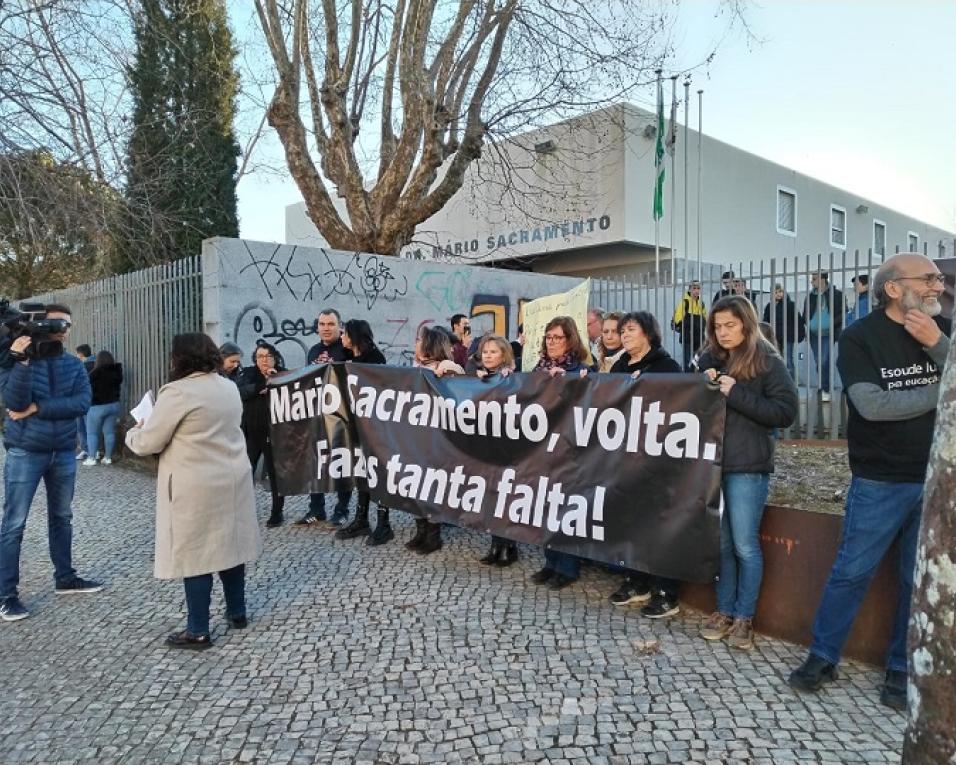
{"x":82,"y":455}
{"x":560,"y":581}
{"x":310,"y":518}
{"x":813,"y":674}
{"x":716,"y":627}
{"x":741,"y":635}
{"x":12,"y":610}
{"x":89,"y":461}
{"x":825,"y":397}
{"x":106,"y":461}
{"x":629,"y":593}
{"x":543,"y":576}
{"x":660,"y":607}
{"x":238,"y":622}
{"x":187,"y":640}
{"x":893,"y":692}
{"x":77,"y":585}
{"x":339,"y":517}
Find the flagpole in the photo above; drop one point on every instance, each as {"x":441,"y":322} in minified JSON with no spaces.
{"x":686,"y":206}
{"x":657,"y":220}
{"x":700,"y":160}
{"x":673,"y":214}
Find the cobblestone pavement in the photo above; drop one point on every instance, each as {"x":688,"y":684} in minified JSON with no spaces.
{"x":378,"y":655}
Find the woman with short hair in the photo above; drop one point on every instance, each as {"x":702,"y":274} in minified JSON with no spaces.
{"x":205,"y":505}
{"x":761,"y":396}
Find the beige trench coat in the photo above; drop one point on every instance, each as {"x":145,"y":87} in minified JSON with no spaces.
{"x":205,"y":502}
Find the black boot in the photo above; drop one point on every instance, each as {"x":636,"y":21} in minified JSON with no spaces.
{"x":432,"y":541}
{"x":492,"y":556}
{"x":275,"y":517}
{"x":508,"y":555}
{"x":421,"y":529}
{"x":359,"y":526}
{"x":383,"y":529}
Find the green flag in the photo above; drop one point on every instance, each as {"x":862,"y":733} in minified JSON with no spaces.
{"x":659,"y":155}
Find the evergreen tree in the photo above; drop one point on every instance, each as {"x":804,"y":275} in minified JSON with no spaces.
{"x":182,"y":152}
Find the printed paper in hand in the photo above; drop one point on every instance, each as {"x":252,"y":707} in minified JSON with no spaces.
{"x":144,"y":408}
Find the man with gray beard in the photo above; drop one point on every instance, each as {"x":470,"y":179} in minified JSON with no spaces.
{"x":891,"y":364}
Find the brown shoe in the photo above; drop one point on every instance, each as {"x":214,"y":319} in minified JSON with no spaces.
{"x":716,"y":627}
{"x":741,"y":635}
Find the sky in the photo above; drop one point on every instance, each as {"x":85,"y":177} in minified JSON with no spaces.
{"x":856,"y":93}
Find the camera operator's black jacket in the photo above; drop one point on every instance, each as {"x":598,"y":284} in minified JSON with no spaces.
{"x":60,"y":387}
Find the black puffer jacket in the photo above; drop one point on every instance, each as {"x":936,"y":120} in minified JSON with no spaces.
{"x":106,"y":382}
{"x":754,"y":408}
{"x":255,"y":404}
{"x":656,"y":361}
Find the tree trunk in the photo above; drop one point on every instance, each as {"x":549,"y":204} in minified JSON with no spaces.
{"x":931,"y":729}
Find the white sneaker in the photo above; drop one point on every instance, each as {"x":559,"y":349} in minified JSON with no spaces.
{"x":82,"y":455}
{"x":89,"y":461}
{"x":107,"y":461}
{"x":825,"y":397}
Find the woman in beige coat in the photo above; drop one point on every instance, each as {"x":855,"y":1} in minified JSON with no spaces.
{"x":205,"y":504}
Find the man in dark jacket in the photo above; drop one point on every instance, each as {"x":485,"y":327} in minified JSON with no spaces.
{"x":788,"y":325}
{"x":824,"y":317}
{"x":891,"y":362}
{"x":329,"y":349}
{"x":44,"y":396}
{"x":461,"y":339}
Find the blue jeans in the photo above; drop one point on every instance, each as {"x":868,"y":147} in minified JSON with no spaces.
{"x":741,"y":560}
{"x":788,"y":357}
{"x":21,"y":477}
{"x":102,"y":419}
{"x":81,"y":433}
{"x":199,"y":593}
{"x":877,"y":513}
{"x":563,"y":563}
{"x":823,"y":359}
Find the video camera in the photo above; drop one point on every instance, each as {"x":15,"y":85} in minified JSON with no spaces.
{"x":30,"y":320}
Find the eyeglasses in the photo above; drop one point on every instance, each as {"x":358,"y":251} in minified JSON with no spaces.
{"x":554,"y":338}
{"x":928,"y":279}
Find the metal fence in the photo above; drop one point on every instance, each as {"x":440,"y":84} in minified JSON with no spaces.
{"x":135,"y":316}
{"x":812,"y":358}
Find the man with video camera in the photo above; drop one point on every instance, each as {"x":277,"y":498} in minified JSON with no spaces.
{"x":44,"y":390}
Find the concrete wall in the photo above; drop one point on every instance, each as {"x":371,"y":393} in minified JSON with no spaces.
{"x":257,"y":290}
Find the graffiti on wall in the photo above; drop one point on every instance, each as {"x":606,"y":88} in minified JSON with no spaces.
{"x":273,"y":293}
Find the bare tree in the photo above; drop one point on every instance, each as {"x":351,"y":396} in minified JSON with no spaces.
{"x":931,"y":729}
{"x":435,"y":80}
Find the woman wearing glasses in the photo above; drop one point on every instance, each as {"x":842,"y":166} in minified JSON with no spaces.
{"x":562,"y":352}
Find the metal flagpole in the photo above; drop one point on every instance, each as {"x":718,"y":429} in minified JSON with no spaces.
{"x":686,"y":206}
{"x":700,"y":133}
{"x":657,"y":220}
{"x":671,"y":133}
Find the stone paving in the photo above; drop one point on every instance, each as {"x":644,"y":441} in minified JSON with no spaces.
{"x":378,"y":655}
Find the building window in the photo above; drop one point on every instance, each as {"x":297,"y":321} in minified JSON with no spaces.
{"x":838,"y":226}
{"x":786,"y":211}
{"x":879,"y":238}
{"x":912,"y":241}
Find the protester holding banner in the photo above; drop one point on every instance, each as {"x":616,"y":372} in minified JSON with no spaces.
{"x":562,"y":351}
{"x":761,"y":396}
{"x":433,"y":352}
{"x":497,"y":361}
{"x":328,"y":350}
{"x":357,"y":337}
{"x":644,"y":354}
{"x":255,"y":418}
{"x":609,"y":347}
{"x":205,"y":504}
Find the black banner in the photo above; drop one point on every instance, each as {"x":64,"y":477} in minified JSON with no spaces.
{"x":609,"y":468}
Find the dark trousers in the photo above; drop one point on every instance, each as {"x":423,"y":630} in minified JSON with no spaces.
{"x":658,"y":585}
{"x":262,"y":447}
{"x":317,"y":501}
{"x":199,"y":593}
